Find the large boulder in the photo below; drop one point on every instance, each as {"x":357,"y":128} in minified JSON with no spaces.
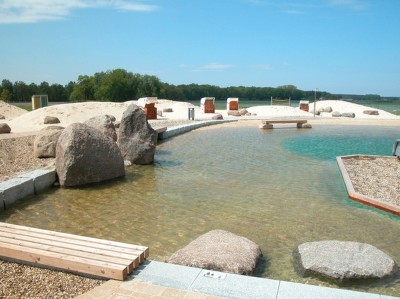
{"x":104,"y":124}
{"x":349,"y":114}
{"x":137,"y":139}
{"x":371,"y":112}
{"x":44,"y":145}
{"x":328,"y":109}
{"x":4,"y":128}
{"x":85,"y":155}
{"x":343,"y":260}
{"x":221,"y":251}
{"x":51,"y":120}
{"x":234,"y":113}
{"x":336,"y":114}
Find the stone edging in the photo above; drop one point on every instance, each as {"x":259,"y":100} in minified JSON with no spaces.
{"x":177,"y":130}
{"x":358,"y":196}
{"x":24,"y":185}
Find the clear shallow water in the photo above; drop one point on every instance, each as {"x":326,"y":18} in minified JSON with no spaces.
{"x":279,"y":188}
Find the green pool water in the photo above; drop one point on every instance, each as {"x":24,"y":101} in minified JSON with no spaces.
{"x":279,"y":188}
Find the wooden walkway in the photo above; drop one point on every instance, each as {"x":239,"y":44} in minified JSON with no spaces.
{"x":71,"y":253}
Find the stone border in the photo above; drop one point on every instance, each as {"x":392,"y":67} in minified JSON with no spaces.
{"x":358,"y":196}
{"x":177,"y":130}
{"x":24,"y":185}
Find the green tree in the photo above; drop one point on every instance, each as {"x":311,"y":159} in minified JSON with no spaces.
{"x":6,"y":95}
{"x":83,"y":90}
{"x":149,"y":86}
{"x":117,"y":86}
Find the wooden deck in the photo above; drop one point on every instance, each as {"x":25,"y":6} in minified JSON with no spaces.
{"x":268,"y":123}
{"x":71,"y":253}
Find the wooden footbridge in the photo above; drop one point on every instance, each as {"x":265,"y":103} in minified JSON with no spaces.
{"x":71,"y":253}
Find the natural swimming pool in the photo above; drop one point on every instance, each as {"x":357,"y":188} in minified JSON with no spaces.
{"x":279,"y":188}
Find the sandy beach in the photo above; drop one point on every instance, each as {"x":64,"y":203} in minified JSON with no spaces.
{"x":20,"y":120}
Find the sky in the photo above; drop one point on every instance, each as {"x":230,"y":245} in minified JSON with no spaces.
{"x":338,"y":46}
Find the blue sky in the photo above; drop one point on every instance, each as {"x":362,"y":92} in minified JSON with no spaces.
{"x":339,"y":46}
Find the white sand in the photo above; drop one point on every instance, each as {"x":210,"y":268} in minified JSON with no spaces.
{"x":21,"y":121}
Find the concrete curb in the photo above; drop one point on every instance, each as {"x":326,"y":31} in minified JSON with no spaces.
{"x":24,"y":185}
{"x":174,"y":131}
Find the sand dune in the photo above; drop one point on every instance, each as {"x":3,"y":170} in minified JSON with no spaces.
{"x":21,"y":121}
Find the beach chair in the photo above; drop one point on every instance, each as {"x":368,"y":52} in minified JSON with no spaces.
{"x":207,"y":105}
{"x":232,"y":104}
{"x":304,"y":105}
{"x":148,"y":106}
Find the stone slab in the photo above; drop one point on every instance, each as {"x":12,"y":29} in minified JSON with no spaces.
{"x":168,"y":275}
{"x":42,"y":178}
{"x":15,"y":189}
{"x":235,"y":286}
{"x":291,"y":290}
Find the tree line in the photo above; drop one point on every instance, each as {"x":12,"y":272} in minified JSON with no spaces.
{"x":120,"y":85}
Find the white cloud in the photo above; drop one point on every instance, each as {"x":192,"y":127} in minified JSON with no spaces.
{"x":32,"y":11}
{"x":215,"y":67}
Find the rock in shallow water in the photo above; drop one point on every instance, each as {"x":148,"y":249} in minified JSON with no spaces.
{"x":221,"y":251}
{"x":343,"y":260}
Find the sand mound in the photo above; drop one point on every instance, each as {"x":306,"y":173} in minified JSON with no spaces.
{"x":345,"y":107}
{"x":10,"y":111}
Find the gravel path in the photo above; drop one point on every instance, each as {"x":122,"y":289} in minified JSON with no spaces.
{"x":21,"y":281}
{"x":376,"y":177}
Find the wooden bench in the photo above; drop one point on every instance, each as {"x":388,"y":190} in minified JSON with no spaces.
{"x":268,"y":123}
{"x":71,"y":253}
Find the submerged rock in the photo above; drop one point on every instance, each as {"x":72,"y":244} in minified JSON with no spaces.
{"x":343,"y":260}
{"x":221,"y":251}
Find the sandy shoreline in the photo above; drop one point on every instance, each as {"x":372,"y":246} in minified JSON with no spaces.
{"x":20,"y":120}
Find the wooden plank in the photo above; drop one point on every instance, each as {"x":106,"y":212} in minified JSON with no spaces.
{"x":60,"y":261}
{"x":142,"y":251}
{"x":31,"y":243}
{"x":63,"y":242}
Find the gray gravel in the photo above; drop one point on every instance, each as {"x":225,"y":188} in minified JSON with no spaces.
{"x":377,"y":177}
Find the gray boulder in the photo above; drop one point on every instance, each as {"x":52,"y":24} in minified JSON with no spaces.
{"x":243,"y":111}
{"x":343,"y":260}
{"x":371,"y":112}
{"x":234,"y":113}
{"x":217,"y":117}
{"x":221,"y":251}
{"x":349,"y":114}
{"x":104,"y":124}
{"x":44,"y":145}
{"x":137,"y":139}
{"x":306,"y":126}
{"x":84,"y":155}
{"x":167,"y":110}
{"x":336,"y":114}
{"x":328,"y":109}
{"x":5,"y":128}
{"x":51,"y":120}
